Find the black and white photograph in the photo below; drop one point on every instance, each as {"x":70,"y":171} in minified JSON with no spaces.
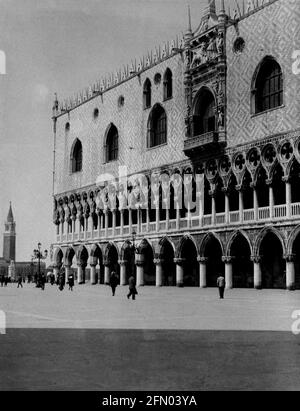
{"x":150,"y":198}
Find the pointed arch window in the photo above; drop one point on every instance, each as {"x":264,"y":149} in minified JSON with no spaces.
{"x":157,"y":127}
{"x":268,"y":86}
{"x":168,"y":84}
{"x":147,"y":93}
{"x":112,"y":144}
{"x":76,"y":157}
{"x":204,"y":119}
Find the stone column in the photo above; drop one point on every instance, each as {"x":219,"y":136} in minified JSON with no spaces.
{"x":139,"y":273}
{"x":177,"y":216}
{"x":55,"y":271}
{"x":257,"y":272}
{"x":290,"y":272}
{"x":122,"y":272}
{"x":228,"y":272}
{"x":106,"y":273}
{"x":157,"y":219}
{"x":106,"y":222}
{"x":80,"y":279}
{"x":67,"y":272}
{"x":147,"y":220}
{"x":227,"y":205}
{"x":271,"y":198}
{"x":138,"y":212}
{"x":202,"y":271}
{"x":86,"y":226}
{"x":200,"y":197}
{"x":213,"y":208}
{"x":168,"y":217}
{"x":114,"y":222}
{"x":130,"y":220}
{"x":159,"y":272}
{"x":288,"y":197}
{"x":179,"y":271}
{"x":255,"y":202}
{"x":73,"y":225}
{"x":93,"y":263}
{"x":121,"y":221}
{"x":241,"y":204}
{"x":99,"y":225}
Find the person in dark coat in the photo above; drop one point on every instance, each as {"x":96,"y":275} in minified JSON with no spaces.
{"x":52,"y":279}
{"x":6,"y":280}
{"x":114,"y":281}
{"x":221,"y":285}
{"x":132,"y":289}
{"x":43,"y":281}
{"x":61,"y":281}
{"x":71,"y":281}
{"x":20,"y":281}
{"x":2,"y":279}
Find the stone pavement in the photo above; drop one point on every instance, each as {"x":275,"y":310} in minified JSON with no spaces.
{"x":154,"y":308}
{"x":168,"y":339}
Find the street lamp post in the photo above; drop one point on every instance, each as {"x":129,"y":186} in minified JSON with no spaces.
{"x":39,"y":255}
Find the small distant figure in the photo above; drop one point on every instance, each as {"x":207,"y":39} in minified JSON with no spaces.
{"x":43,"y":281}
{"x":52,"y":279}
{"x":2,"y":279}
{"x":132,"y":289}
{"x":20,"y":279}
{"x":5,"y":280}
{"x":114,"y":280}
{"x":221,"y":285}
{"x":61,"y":282}
{"x":71,"y":281}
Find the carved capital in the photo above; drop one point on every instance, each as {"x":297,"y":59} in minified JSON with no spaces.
{"x":256,"y":259}
{"x":290,"y":258}
{"x":227,"y":259}
{"x":122,"y":262}
{"x":202,"y":260}
{"x":179,"y":261}
{"x":158,"y":261}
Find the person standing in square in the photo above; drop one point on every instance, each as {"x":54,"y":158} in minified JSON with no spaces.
{"x":221,"y":285}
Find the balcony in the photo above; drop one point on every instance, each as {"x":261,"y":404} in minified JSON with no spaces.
{"x":196,"y":144}
{"x":278,"y":213}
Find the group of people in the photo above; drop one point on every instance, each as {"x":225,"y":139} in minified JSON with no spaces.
{"x":41,"y":280}
{"x":114,"y":281}
{"x":61,"y":281}
{"x":4,"y":280}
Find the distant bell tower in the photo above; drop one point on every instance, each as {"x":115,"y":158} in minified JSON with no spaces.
{"x":9,"y":237}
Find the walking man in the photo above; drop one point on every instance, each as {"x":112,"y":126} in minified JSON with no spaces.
{"x":43,"y":281}
{"x":132,"y":288}
{"x":114,"y":280}
{"x":2,"y":279}
{"x":20,"y":281}
{"x":221,"y":285}
{"x":71,"y":281}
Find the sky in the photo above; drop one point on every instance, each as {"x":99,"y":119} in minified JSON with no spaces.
{"x":62,"y":46}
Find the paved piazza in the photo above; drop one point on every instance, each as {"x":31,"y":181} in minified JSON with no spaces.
{"x":168,"y":339}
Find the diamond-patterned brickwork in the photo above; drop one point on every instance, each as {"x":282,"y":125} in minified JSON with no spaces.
{"x":273,"y":31}
{"x":131,"y":121}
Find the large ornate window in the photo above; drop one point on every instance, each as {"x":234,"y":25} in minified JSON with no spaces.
{"x":147,"y":93}
{"x":204,"y":119}
{"x":157,"y":127}
{"x":268,"y":86}
{"x":168,"y":84}
{"x":112,"y":144}
{"x":76,"y":156}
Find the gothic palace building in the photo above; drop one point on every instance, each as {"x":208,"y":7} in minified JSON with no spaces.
{"x":186,"y":163}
